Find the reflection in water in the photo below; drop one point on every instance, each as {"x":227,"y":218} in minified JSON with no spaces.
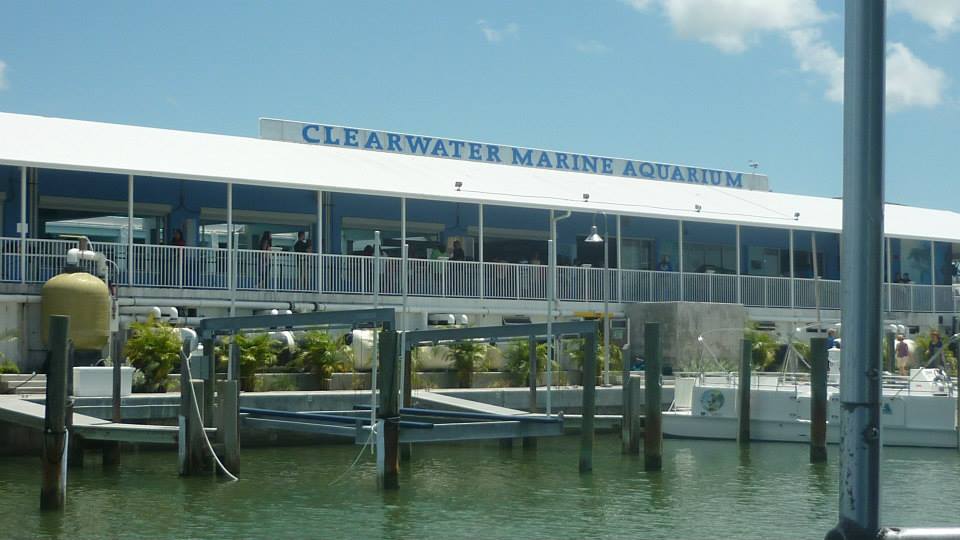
{"x":472,"y":490}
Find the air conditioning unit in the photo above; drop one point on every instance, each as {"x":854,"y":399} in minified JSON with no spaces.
{"x":441,"y":319}
{"x":515,"y":319}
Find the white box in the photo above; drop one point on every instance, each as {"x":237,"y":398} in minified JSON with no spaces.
{"x":98,"y":381}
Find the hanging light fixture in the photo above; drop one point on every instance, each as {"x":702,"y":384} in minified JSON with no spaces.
{"x":594,"y":237}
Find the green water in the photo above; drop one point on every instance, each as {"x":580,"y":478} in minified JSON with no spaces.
{"x":478,"y":491}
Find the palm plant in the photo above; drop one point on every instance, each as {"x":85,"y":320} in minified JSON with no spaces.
{"x":257,"y":351}
{"x":517,"y":361}
{"x":323,"y":354}
{"x":466,"y":356}
{"x":154,"y":349}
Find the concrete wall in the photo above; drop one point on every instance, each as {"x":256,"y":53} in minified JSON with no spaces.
{"x":680,"y":325}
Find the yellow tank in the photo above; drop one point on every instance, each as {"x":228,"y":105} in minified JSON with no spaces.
{"x":86,"y":299}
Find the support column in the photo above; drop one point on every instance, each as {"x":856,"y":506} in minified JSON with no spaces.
{"x":483,"y":281}
{"x":653,"y":424}
{"x":318,"y":241}
{"x":231,"y":253}
{"x":23,"y":225}
{"x":530,"y":443}
{"x":130,"y":194}
{"x":818,"y":400}
{"x":739,"y":270}
{"x":793,"y":287}
{"x":53,"y":487}
{"x":192,"y":455}
{"x":406,"y":450}
{"x":228,"y":428}
{"x":388,"y":413}
{"x":111,"y":449}
{"x":589,"y":401}
{"x":619,"y":265}
{"x":680,"y":254}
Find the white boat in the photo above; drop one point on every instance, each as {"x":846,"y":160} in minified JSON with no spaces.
{"x":918,"y":410}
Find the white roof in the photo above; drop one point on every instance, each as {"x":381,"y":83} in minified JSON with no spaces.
{"x":92,"y":146}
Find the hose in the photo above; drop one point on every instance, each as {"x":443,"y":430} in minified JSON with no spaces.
{"x":196,"y":408}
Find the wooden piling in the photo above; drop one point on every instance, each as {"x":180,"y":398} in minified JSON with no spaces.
{"x":53,"y":487}
{"x":406,"y":450}
{"x":192,"y":454}
{"x":818,"y":400}
{"x":111,"y":449}
{"x":530,"y":443}
{"x":653,"y":423}
{"x":635,"y":385}
{"x":743,"y":392}
{"x":228,"y":406}
{"x":388,"y":412}
{"x":626,"y":423}
{"x":589,"y":401}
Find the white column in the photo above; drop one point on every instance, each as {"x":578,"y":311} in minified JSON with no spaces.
{"x":889,"y":283}
{"x":23,"y":224}
{"x":619,"y":264}
{"x":792,"y":286}
{"x":130,"y":230}
{"x":739,"y":270}
{"x":680,"y":254}
{"x":231,"y":252}
{"x":933,"y":277}
{"x":318,"y":241}
{"x":480,"y":255}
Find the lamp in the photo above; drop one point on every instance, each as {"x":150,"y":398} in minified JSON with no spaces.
{"x":594,"y":237}
{"x":458,"y":184}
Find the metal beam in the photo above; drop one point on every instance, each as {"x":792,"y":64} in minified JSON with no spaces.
{"x":220,"y":325}
{"x":472,"y":431}
{"x":498,"y":332}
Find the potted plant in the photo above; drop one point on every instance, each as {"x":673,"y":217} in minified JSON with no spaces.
{"x":257,"y":351}
{"x":323,"y":355}
{"x":154,"y":349}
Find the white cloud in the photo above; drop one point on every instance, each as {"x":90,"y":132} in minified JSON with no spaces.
{"x":911,"y":82}
{"x":943,"y":16}
{"x":817,"y":56}
{"x":733,"y":25}
{"x":3,"y":76}
{"x":638,"y":5}
{"x":591,"y":46}
{"x":494,"y":35}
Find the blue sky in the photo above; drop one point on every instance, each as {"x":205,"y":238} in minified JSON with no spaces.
{"x":712,"y":83}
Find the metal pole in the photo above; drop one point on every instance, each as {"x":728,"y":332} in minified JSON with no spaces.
{"x":53,"y":487}
{"x":653,"y":424}
{"x":130,"y":230}
{"x":860,"y":382}
{"x":388,"y":413}
{"x":606,"y":305}
{"x":816,"y":276}
{"x":739,"y":298}
{"x":680,"y":254}
{"x":404,"y":260}
{"x":318,"y":241}
{"x":376,"y":269}
{"x":551,"y":300}
{"x":406,"y":383}
{"x":530,"y":443}
{"x":793,"y":299}
{"x":589,"y":401}
{"x":23,"y":224}
{"x":619,"y":264}
{"x":231,"y":267}
{"x":743,"y":393}
{"x":887,"y":256}
{"x":818,"y":400}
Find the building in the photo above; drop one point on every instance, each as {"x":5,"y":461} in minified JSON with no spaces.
{"x":477,"y":219}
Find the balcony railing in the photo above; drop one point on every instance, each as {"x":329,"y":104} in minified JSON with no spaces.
{"x":209,"y":268}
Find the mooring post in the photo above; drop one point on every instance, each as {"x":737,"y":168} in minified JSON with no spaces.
{"x":636,"y":404}
{"x":53,"y":487}
{"x":626,"y":424}
{"x":406,"y":450}
{"x":191,"y":452}
{"x":589,"y":401}
{"x":818,"y":400}
{"x":111,"y":449}
{"x":228,"y":405}
{"x":209,"y":376}
{"x":743,"y":392}
{"x":76,"y":444}
{"x":530,"y":443}
{"x":652,"y":426}
{"x":388,"y":413}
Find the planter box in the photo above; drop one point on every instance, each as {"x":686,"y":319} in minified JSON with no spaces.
{"x":98,"y":381}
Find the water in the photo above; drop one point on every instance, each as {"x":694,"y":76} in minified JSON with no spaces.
{"x":477,"y":491}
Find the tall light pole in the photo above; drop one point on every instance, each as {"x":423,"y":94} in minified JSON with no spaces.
{"x":595,"y":238}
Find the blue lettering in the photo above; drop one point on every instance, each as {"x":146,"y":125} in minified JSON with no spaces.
{"x":663,"y":171}
{"x":607,"y":167}
{"x":544,"y":161}
{"x":715,"y":177}
{"x":646,"y":170}
{"x":393,"y":143}
{"x":418,"y":144}
{"x":328,"y":136}
{"x":350,"y":137}
{"x":493,"y":153}
{"x":677,"y":174}
{"x":628,"y":169}
{"x":561,"y":160}
{"x":373,"y":141}
{"x":589,"y":162}
{"x":692,"y":174}
{"x":439,"y":149}
{"x":475,"y":151}
{"x":457,"y":146}
{"x":522,"y":159}
{"x":307,"y":129}
{"x":576,"y":162}
{"x":735,"y":181}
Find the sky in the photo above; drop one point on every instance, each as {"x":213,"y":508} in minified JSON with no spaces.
{"x":709,"y":83}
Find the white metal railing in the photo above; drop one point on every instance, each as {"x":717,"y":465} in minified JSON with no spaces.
{"x":206,"y":268}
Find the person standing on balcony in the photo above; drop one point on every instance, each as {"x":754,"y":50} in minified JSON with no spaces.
{"x":935,"y":350}
{"x":302,"y":246}
{"x":177,"y":239}
{"x":458,"y":254}
{"x":266,"y":245}
{"x":665,"y":265}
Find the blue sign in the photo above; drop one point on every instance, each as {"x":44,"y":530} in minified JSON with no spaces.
{"x":401,"y":143}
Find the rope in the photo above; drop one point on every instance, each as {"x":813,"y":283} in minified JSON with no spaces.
{"x":196,"y":408}
{"x":357,"y":460}
{"x":28,"y":379}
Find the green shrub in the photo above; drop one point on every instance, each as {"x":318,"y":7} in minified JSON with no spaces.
{"x":257,"y":351}
{"x":466,"y":356}
{"x":616,"y":354}
{"x":763,"y":348}
{"x":7,"y":366}
{"x":154,"y":349}
{"x":322,"y":354}
{"x":517,"y":361}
